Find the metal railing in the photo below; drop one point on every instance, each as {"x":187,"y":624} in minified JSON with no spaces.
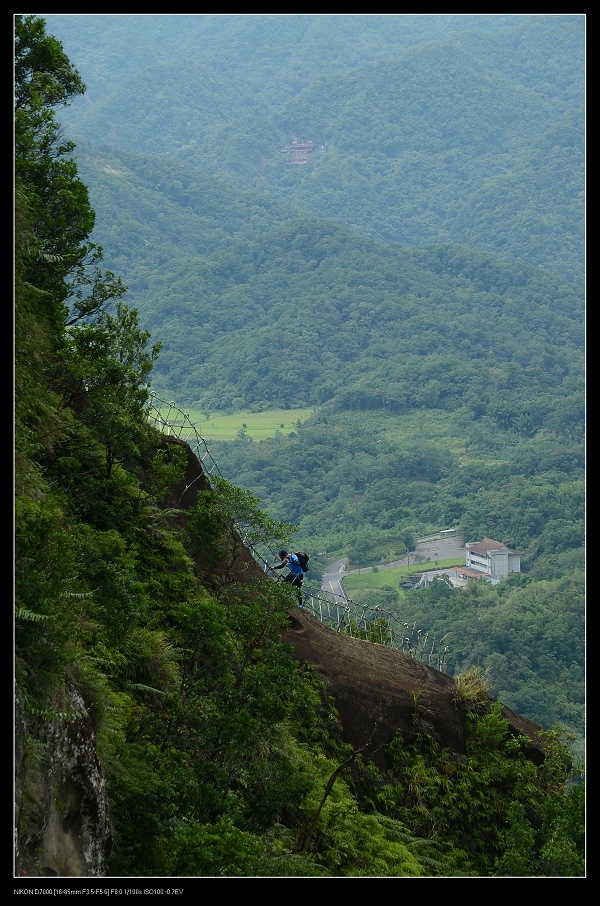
{"x":372,"y":624}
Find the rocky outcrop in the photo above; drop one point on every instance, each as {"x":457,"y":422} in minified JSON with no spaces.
{"x":235,"y":564}
{"x":61,"y":807}
{"x":379,"y":691}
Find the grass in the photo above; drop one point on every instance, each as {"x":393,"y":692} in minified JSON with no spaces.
{"x":257,"y":425}
{"x":436,"y":427}
{"x":374,"y":579}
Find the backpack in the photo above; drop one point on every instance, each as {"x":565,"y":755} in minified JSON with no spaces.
{"x":303,"y":558}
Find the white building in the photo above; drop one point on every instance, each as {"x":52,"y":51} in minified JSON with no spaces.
{"x":491,"y":559}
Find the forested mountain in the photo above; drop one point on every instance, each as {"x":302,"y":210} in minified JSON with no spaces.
{"x":437,"y":128}
{"x":418,"y":284}
{"x":253,"y":307}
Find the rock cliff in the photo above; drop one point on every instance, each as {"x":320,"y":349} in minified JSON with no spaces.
{"x":61,"y":807}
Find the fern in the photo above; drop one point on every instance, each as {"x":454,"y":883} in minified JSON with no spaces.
{"x":30,"y":616}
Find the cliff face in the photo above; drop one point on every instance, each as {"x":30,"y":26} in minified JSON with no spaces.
{"x":378,"y":690}
{"x":60,"y":798}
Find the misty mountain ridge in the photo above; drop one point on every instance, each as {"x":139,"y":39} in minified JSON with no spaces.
{"x":434,"y":133}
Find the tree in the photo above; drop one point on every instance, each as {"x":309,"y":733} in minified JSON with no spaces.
{"x":44,"y":75}
{"x":45,"y":176}
{"x":58,"y":258}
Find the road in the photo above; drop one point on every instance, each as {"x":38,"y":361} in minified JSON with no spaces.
{"x":332,"y":577}
{"x":454,"y":553}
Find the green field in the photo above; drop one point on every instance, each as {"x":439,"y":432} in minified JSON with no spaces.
{"x":431,"y":426}
{"x":257,"y":425}
{"x":375,"y":578}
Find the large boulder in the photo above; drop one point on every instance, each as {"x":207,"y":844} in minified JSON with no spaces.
{"x":379,"y":691}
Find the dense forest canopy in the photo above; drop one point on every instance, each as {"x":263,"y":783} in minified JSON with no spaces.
{"x":434,"y":324}
{"x":354,"y":319}
{"x":455,"y":128}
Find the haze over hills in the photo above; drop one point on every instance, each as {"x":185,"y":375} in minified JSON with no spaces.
{"x":459,"y":129}
{"x":437,"y":128}
{"x":224,"y":280}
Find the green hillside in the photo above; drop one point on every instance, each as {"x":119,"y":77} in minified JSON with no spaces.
{"x":431,"y":123}
{"x":252,"y":307}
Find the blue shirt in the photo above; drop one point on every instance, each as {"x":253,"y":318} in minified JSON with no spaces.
{"x":293,"y":565}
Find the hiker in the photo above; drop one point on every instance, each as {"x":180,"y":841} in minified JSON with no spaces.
{"x":295,"y":575}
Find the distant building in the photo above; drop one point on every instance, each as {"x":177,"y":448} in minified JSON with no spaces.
{"x":300,"y":151}
{"x":491,"y":560}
